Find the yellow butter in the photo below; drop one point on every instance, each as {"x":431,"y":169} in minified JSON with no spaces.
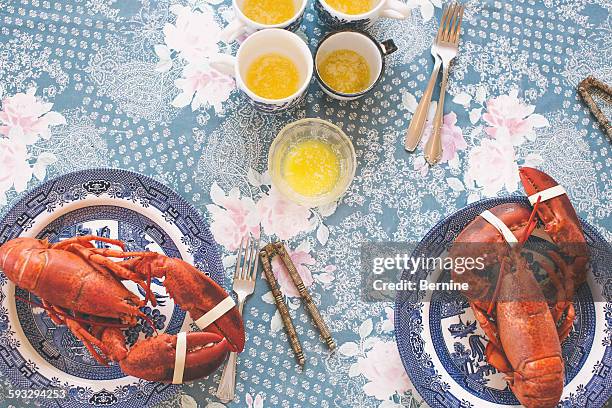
{"x":269,"y":11}
{"x":273,"y":76}
{"x":345,"y":71}
{"x":311,"y":168}
{"x":351,"y":6}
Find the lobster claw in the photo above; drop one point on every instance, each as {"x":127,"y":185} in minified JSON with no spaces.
{"x":195,"y":293}
{"x":153,"y":359}
{"x":560,"y":220}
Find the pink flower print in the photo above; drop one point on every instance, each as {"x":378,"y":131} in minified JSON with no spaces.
{"x":195,"y":34}
{"x":203,"y":86}
{"x":256,"y":402}
{"x":492,"y":166}
{"x":23,"y":118}
{"x":383,"y":368}
{"x":282,"y":217}
{"x":233,"y":218}
{"x":452,"y":137}
{"x":512,"y":120}
{"x":16,"y":171}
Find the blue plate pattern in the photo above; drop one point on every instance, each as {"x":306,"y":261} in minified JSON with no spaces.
{"x":459,"y":343}
{"x":56,"y":345}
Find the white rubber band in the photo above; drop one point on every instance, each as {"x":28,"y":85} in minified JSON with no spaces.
{"x":216,"y":312}
{"x":179,"y":360}
{"x":547,"y":194}
{"x":500,"y":226}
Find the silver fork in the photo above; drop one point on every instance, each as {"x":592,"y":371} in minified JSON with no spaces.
{"x":417,"y":124}
{"x":448,"y":48}
{"x":244,"y":286}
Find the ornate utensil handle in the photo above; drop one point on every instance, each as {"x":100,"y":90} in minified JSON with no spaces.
{"x":433,"y":148}
{"x":417,"y":124}
{"x":265,"y":254}
{"x":310,"y":305}
{"x":227,"y":386}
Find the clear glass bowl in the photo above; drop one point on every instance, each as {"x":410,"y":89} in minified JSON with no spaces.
{"x":309,"y":129}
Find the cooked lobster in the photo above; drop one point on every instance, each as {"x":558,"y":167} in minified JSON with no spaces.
{"x":525,"y":328}
{"x":80,"y":287}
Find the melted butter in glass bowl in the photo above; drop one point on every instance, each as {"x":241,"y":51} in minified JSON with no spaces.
{"x":312,"y":162}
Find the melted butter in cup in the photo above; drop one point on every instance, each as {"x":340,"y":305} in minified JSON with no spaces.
{"x":353,"y":7}
{"x":345,"y":71}
{"x":269,"y":11}
{"x":273,"y":76}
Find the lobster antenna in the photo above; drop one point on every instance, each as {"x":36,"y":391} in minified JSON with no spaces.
{"x":502,"y":269}
{"x":76,"y":319}
{"x":150,"y":295}
{"x":148,"y":320}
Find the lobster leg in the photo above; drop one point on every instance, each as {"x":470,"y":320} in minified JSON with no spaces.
{"x":88,"y":340}
{"x":86,"y":240}
{"x":495,"y":355}
{"x":563,"y":306}
{"x":487,"y":326}
{"x":100,"y":255}
{"x":497,"y":358}
{"x":568,"y":274}
{"x":568,"y":323}
{"x":55,"y":318}
{"x":124,"y":272}
{"x":113,"y":253}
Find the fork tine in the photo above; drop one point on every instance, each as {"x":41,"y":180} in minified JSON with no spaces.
{"x":449,"y":17}
{"x":236,"y":276}
{"x":442,"y":23}
{"x":247,"y":269}
{"x":245,"y":259}
{"x":455,"y":38}
{"x":254,"y":271}
{"x":452,"y":21}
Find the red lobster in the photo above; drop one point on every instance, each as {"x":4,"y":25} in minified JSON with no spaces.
{"x":81,"y":288}
{"x":525,"y":330}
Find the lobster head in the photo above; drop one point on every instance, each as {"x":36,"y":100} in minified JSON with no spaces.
{"x":12,"y":259}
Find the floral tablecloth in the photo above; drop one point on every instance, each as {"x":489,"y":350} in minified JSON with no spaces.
{"x":127,"y":84}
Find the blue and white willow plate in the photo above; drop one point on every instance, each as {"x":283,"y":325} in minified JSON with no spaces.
{"x":146,"y":215}
{"x":443,"y":349}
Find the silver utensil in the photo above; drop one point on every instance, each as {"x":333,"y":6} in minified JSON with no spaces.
{"x":417,"y":124}
{"x":447,"y":47}
{"x":247,"y":263}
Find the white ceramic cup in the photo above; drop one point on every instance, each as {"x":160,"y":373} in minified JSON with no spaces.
{"x":383,"y":8}
{"x":244,"y":25}
{"x":272,"y":40}
{"x":363,"y":44}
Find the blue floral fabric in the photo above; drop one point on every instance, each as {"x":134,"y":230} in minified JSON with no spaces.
{"x":129,"y":84}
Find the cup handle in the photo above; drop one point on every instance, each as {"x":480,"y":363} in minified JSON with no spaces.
{"x":226,"y":64}
{"x":396,"y":9}
{"x":388,"y":47}
{"x":232,"y":31}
